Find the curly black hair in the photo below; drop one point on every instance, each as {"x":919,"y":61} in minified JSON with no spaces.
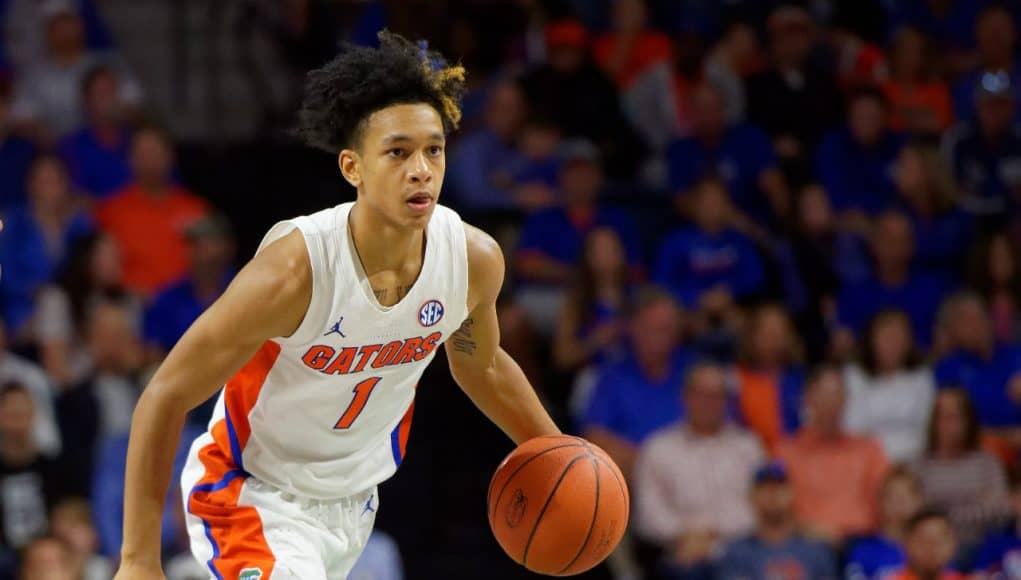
{"x":341,"y":95}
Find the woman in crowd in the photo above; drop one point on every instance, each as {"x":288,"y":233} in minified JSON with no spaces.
{"x":995,"y":273}
{"x":889,"y":390}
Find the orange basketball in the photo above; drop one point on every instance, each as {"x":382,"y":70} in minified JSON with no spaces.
{"x":558,"y":505}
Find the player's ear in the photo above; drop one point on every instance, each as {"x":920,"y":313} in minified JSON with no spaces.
{"x":350,"y":166}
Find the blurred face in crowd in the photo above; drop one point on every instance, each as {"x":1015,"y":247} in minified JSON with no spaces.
{"x":824,"y":403}
{"x":71,"y":522}
{"x":705,"y":399}
{"x":814,"y":211}
{"x":629,"y":16}
{"x":790,"y":31}
{"x":970,"y":326}
{"x":211,"y":254}
{"x":105,"y":263}
{"x":708,"y":112}
{"x":505,"y":110}
{"x":908,"y":59}
{"x":604,"y":253}
{"x":910,"y":174}
{"x":930,"y":546}
{"x":46,"y":559}
{"x":102,"y":100}
{"x":113,"y":342}
{"x":66,"y":35}
{"x":712,"y":207}
{"x":1002,"y":266}
{"x":867,"y":119}
{"x":995,"y":114}
{"x":656,"y":331}
{"x":893,"y":243}
{"x":151,"y":159}
{"x":900,"y":498}
{"x":891,"y":341}
{"x":771,"y":337}
{"x":49,"y":188}
{"x":773,"y":502}
{"x":538,"y":141}
{"x":951,"y":424}
{"x":17,"y":415}
{"x":580,"y":180}
{"x":566,"y":58}
{"x":995,"y":35}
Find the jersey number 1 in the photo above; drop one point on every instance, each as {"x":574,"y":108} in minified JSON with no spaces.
{"x":362,"y":391}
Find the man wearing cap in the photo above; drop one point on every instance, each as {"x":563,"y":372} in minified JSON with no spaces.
{"x":775,"y":550}
{"x":691,"y":479}
{"x":995,"y":34}
{"x":986,"y":152}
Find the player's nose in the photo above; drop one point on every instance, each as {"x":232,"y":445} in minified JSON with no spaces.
{"x":420,"y":172}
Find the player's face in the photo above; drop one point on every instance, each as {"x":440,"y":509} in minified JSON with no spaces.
{"x":399,"y":167}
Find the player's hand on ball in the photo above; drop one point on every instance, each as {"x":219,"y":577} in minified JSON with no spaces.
{"x":136,"y":571}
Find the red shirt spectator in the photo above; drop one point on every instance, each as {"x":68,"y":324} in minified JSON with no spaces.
{"x":149,"y":217}
{"x":919,"y":101}
{"x":631,"y":48}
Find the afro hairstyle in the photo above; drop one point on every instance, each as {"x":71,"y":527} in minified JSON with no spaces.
{"x":340,"y":96}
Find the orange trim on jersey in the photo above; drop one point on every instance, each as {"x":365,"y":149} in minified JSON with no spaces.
{"x":404,"y":429}
{"x":239,"y":397}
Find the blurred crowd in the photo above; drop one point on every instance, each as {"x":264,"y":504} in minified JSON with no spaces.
{"x":764,"y":253}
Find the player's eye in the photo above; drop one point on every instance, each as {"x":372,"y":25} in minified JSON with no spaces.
{"x":396,"y":152}
{"x":435,"y":150}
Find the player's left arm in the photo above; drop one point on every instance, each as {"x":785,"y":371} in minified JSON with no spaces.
{"x":487,"y":374}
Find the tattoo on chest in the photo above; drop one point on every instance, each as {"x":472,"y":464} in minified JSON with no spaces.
{"x":462,"y":339}
{"x":391,"y":296}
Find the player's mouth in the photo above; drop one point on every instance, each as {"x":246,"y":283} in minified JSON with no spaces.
{"x":420,"y":202}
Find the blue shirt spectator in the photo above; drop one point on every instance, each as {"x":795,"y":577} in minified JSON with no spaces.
{"x":36,"y":240}
{"x":995,"y":40}
{"x":16,"y":155}
{"x":741,"y":156}
{"x":855,"y":163}
{"x":874,"y":558}
{"x":951,"y":28}
{"x":754,"y":559}
{"x":98,"y":163}
{"x":172,"y":311}
{"x":999,"y":556}
{"x":941,"y":240}
{"x":709,"y":255}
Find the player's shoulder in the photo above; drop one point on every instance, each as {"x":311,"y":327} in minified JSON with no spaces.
{"x":283,"y":264}
{"x":485,"y":262}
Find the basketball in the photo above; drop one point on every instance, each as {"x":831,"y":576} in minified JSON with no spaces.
{"x":558,"y":505}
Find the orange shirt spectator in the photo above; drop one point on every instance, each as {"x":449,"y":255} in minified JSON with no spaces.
{"x":631,"y":48}
{"x":148,"y":218}
{"x":836,"y":476}
{"x":919,"y":101}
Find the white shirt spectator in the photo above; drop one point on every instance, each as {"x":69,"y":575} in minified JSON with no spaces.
{"x":685,"y":482}
{"x":16,"y":369}
{"x":893,"y":409}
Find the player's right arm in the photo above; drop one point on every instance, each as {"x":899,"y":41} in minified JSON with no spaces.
{"x":268,"y":298}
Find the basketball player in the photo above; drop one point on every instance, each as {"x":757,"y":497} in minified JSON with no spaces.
{"x":321,"y":338}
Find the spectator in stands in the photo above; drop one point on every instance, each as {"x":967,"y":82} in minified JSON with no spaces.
{"x":631,"y":48}
{"x":876,"y":556}
{"x":92,"y":275}
{"x":211,"y":268}
{"x":919,"y":100}
{"x":49,"y":94}
{"x":148,"y":218}
{"x":551,"y":240}
{"x":996,"y":40}
{"x":735,"y":56}
{"x":46,"y":558}
{"x":30,"y":482}
{"x":572,"y":91}
{"x":835,"y":475}
{"x":100,"y":405}
{"x":591,"y":325}
{"x":949,"y":24}
{"x":637,"y":395}
{"x":890,"y":391}
{"x":995,"y":274}
{"x":930,"y":546}
{"x":98,"y":154}
{"x":997,"y":556}
{"x":854,"y":163}
{"x":983,"y":151}
{"x":988,"y":371}
{"x":535,"y":176}
{"x":16,"y":153}
{"x":957,"y":475}
{"x":25,"y":29}
{"x":740,"y":155}
{"x":770,"y":378}
{"x":71,"y":522}
{"x":892,"y":284}
{"x":692,"y":478}
{"x":928,"y":195}
{"x":16,"y":369}
{"x":793,"y":101}
{"x":776,"y":549}
{"x":482,"y":162}
{"x":709,"y":265}
{"x":37,"y":239}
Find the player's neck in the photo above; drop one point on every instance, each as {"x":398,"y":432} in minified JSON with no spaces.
{"x":382,"y":246}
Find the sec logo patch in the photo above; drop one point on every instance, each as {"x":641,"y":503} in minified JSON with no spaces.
{"x":430,"y":313}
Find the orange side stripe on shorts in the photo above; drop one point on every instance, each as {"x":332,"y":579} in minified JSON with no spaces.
{"x":240,"y":395}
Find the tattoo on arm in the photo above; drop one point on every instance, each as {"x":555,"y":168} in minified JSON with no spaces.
{"x":462,"y":339}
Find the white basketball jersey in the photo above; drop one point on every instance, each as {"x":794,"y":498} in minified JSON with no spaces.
{"x":325,"y":413}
